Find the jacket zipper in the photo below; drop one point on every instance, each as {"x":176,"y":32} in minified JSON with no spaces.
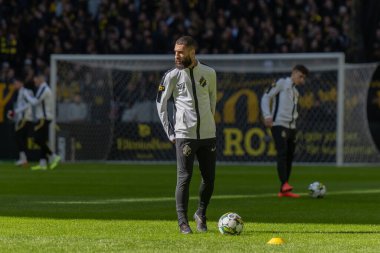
{"x":196,"y":103}
{"x":294,"y":107}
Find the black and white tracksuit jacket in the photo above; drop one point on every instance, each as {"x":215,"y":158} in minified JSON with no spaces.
{"x":284,"y":97}
{"x":23,"y":110}
{"x":194,"y":95}
{"x":43,"y":102}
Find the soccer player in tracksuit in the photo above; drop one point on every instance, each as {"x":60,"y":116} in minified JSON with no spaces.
{"x":283,"y":95}
{"x":192,"y":86}
{"x":23,"y":120}
{"x":43,"y":102}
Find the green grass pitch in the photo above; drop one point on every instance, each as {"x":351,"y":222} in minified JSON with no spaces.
{"x":104,"y":207}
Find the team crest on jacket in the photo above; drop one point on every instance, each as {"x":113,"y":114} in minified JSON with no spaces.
{"x":161,"y":87}
{"x":202,"y":82}
{"x":186,"y":150}
{"x":180,"y":86}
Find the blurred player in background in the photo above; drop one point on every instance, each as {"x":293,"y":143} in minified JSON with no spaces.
{"x":43,"y":102}
{"x":283,"y":96}
{"x":23,"y":120}
{"x":192,"y":86}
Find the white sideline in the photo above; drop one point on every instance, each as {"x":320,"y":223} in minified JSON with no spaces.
{"x":168,"y":199}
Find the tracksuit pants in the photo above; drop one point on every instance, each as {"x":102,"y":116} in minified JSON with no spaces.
{"x":285,"y":141}
{"x":22,"y":132}
{"x":186,"y":150}
{"x":41,"y":137}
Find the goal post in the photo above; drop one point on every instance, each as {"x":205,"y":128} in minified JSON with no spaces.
{"x":53,"y":86}
{"x":340,"y":111}
{"x":106,"y":110}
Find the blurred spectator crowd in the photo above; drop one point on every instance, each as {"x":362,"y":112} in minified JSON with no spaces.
{"x":31,"y":30}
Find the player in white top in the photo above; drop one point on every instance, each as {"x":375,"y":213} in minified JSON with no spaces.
{"x":44,"y":105}
{"x":281,"y":117}
{"x":192,"y":87}
{"x":23,"y":120}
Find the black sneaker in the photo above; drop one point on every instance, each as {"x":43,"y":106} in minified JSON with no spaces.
{"x":185,"y":229}
{"x":201,"y":222}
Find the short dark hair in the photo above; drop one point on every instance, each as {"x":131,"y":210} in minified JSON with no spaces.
{"x":301,"y":68}
{"x":188,"y":41}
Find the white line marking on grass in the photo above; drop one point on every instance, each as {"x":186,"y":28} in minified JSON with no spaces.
{"x":169,"y":199}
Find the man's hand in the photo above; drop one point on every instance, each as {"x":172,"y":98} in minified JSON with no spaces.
{"x":172,"y":139}
{"x":268,"y":122}
{"x":10,"y":114}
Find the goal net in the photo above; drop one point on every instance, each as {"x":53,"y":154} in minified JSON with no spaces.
{"x":106,"y":108}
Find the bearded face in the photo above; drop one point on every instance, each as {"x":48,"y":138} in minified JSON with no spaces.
{"x":185,"y":62}
{"x":183,"y":56}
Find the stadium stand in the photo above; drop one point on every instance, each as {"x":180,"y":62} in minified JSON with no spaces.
{"x":32,"y":30}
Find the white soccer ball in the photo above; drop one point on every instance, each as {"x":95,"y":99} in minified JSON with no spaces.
{"x":317,"y":190}
{"x":230,"y":224}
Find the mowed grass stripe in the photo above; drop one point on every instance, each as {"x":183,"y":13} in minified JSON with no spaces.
{"x":219,"y":197}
